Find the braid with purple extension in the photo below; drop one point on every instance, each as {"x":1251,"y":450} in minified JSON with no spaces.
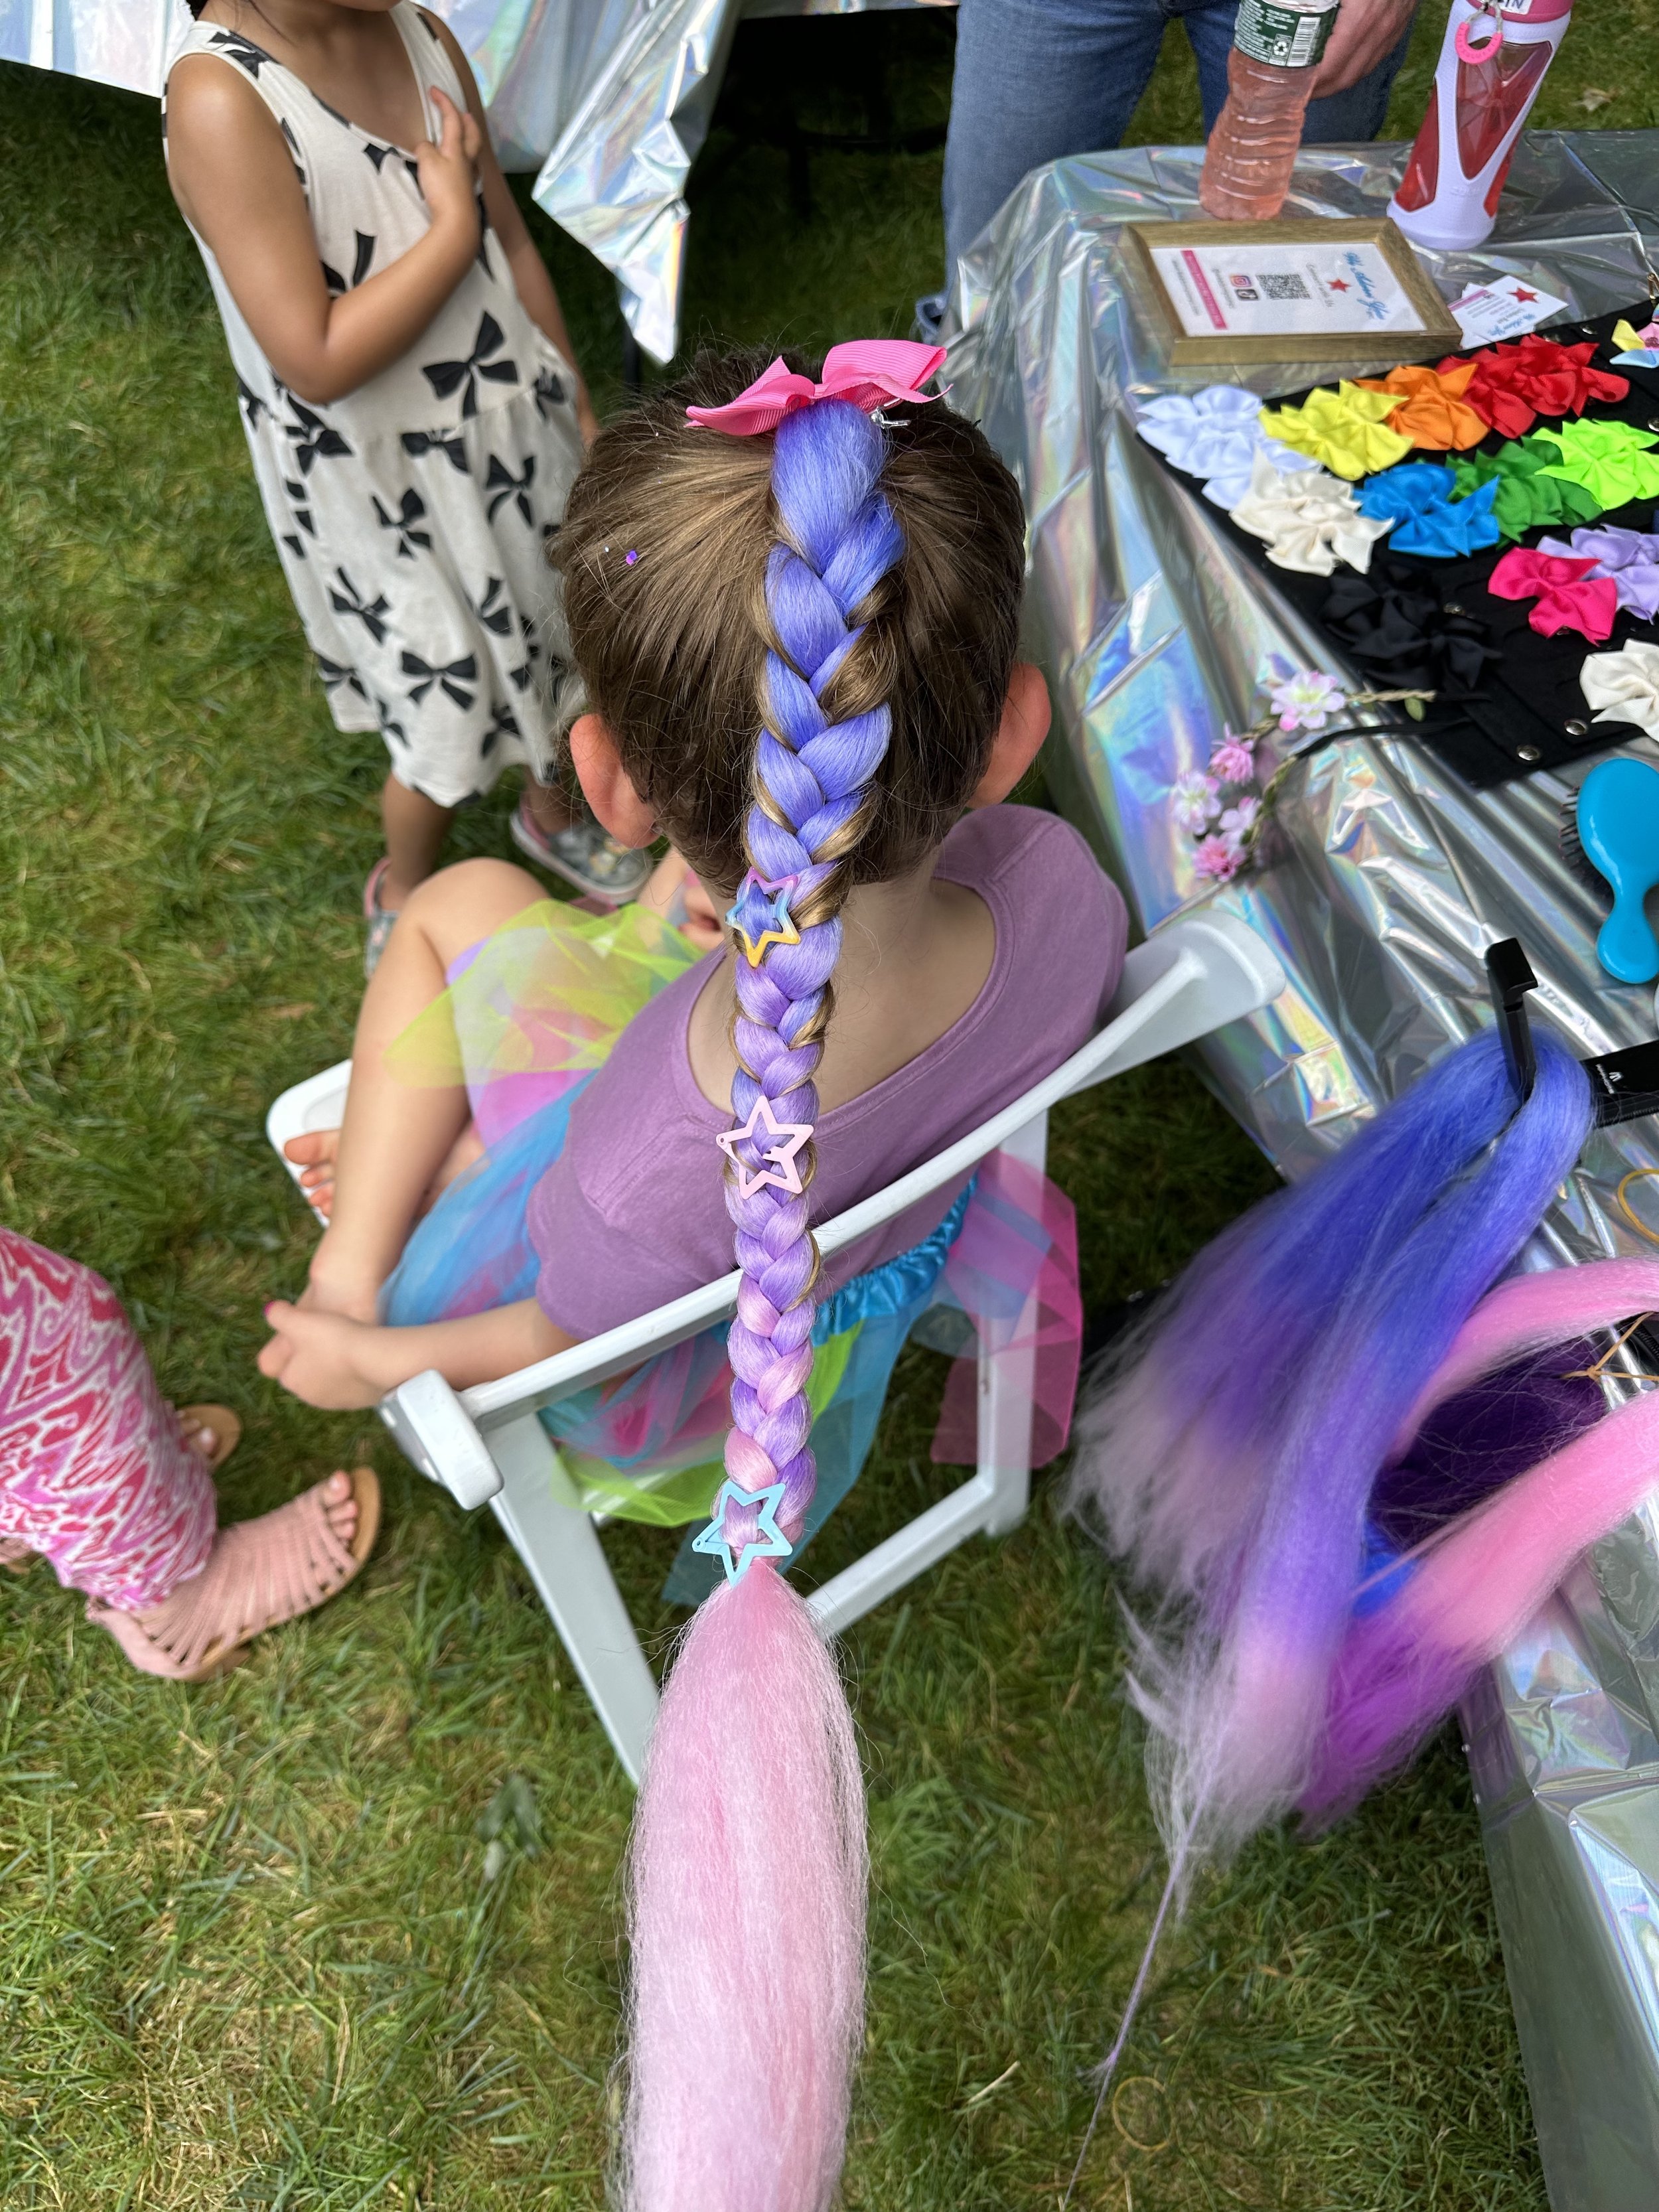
{"x":813,"y":786}
{"x":748,"y":1871}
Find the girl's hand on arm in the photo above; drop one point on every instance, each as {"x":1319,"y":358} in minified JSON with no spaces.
{"x":530,"y":277}
{"x":327,"y":1360}
{"x":235,"y":182}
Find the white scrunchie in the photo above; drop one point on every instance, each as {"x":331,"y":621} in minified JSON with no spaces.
{"x":1623,"y":686}
{"x":1216,"y":434}
{"x":1310,"y":520}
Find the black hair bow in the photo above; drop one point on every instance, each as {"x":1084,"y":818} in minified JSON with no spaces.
{"x":1405,"y":635}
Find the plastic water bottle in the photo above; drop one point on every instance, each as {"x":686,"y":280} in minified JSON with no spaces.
{"x":1251,"y":149}
{"x":1491,"y":63}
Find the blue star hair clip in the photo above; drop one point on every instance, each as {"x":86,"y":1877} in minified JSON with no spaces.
{"x":768,"y":1542}
{"x":760,"y":915}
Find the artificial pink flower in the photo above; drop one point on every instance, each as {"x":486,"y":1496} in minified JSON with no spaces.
{"x":1233,"y":760}
{"x":1307,"y":700}
{"x":1238,"y":821}
{"x":1218,"y":858}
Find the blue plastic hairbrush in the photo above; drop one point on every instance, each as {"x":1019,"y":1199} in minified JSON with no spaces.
{"x":1615,"y":824}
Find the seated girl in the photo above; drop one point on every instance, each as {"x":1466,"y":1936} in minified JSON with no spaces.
{"x":823,"y":716}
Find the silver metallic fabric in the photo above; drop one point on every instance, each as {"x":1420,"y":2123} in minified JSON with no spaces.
{"x":616,"y":180}
{"x":1387,"y":879}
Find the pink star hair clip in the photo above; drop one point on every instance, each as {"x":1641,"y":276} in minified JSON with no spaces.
{"x":871,"y":372}
{"x":788,"y":1139}
{"x":760,"y":915}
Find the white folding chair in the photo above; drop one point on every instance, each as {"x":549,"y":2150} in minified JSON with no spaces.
{"x":486,"y":1445}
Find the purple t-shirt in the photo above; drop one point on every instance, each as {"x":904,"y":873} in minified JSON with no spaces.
{"x":633,"y":1212}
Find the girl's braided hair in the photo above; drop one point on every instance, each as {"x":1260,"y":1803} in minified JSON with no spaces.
{"x":801,"y":644}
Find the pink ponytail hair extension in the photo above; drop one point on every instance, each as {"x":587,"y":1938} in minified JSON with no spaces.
{"x":747,"y":1877}
{"x":1470,"y":1590}
{"x":1528,"y":1314}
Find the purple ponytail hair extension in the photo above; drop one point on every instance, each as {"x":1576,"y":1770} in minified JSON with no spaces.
{"x":1462,"y":1594}
{"x":748,"y":1871}
{"x":1232,"y":1456}
{"x":1233,"y":1462}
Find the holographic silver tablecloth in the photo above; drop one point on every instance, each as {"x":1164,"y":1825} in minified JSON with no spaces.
{"x":1393,"y":878}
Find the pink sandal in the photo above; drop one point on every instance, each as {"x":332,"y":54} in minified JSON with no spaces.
{"x":224,"y":1427}
{"x":291,"y":1562}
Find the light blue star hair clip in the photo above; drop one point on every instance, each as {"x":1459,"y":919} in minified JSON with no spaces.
{"x":768,"y":1542}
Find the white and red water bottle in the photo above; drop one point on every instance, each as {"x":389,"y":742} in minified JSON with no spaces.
{"x":1492,"y":63}
{"x":1247,"y":164}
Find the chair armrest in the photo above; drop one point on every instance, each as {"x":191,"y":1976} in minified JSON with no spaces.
{"x":435,"y":1431}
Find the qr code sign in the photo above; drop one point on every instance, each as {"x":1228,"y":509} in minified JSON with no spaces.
{"x":1283,"y":287}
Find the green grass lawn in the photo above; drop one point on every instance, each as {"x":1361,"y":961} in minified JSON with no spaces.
{"x":250,"y":1953}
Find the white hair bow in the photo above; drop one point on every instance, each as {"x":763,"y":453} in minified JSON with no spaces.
{"x":1310,"y":520}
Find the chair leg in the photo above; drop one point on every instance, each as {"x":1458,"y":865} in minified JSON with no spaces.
{"x":1007,"y":1378}
{"x":561,"y":1548}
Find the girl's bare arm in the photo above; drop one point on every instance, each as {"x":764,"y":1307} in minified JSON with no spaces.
{"x":235,"y":183}
{"x":328,"y":1360}
{"x":530,"y":277}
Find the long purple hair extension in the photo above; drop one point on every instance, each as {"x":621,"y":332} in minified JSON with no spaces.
{"x":747,"y":1870}
{"x":1232,"y":1457}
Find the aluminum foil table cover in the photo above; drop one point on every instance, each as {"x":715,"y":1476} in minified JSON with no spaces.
{"x":1393,"y":879}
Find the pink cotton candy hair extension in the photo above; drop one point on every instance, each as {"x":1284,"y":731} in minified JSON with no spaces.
{"x":747,"y":1882}
{"x":1469,"y":1592}
{"x":1530,"y":1313}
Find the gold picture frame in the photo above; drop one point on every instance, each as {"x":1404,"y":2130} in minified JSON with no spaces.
{"x":1436,"y":331}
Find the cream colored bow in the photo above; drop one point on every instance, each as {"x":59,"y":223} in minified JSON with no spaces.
{"x":1309,"y":518}
{"x":1624,"y":687}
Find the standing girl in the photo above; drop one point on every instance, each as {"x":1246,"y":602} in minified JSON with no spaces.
{"x":410,"y":405}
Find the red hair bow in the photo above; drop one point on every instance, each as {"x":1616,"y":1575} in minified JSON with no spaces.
{"x":1513,"y":384}
{"x":869,"y":372}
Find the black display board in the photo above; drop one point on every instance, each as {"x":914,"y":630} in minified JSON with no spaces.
{"x":1527,"y":711}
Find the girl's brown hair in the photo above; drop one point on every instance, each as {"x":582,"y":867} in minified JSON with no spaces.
{"x":664,"y":552}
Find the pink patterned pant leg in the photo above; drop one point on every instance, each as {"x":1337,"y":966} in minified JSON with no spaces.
{"x":92,"y":1471}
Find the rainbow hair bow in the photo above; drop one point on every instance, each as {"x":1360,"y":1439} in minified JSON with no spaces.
{"x":869,"y":372}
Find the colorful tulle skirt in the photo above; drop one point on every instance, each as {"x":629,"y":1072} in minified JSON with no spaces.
{"x":529,"y":1017}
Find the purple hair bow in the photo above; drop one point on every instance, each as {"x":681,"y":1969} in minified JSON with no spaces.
{"x":871,"y":372}
{"x":1629,"y":558}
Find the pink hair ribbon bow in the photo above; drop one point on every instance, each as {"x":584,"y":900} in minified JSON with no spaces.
{"x":1569,"y":597}
{"x":868,"y":372}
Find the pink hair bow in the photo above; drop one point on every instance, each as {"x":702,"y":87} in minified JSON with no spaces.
{"x":868,"y":372}
{"x":1569,"y":597}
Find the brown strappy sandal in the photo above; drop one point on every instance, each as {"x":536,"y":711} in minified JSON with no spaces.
{"x":292,"y":1562}
{"x":222,"y":1424}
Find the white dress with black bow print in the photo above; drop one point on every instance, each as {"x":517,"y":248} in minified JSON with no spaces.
{"x":413,"y":516}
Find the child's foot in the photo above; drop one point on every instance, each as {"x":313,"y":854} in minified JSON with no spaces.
{"x":583,"y":856}
{"x":315,"y":1153}
{"x":260,"y":1574}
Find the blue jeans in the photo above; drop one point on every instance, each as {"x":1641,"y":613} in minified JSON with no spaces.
{"x":1036,"y":79}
